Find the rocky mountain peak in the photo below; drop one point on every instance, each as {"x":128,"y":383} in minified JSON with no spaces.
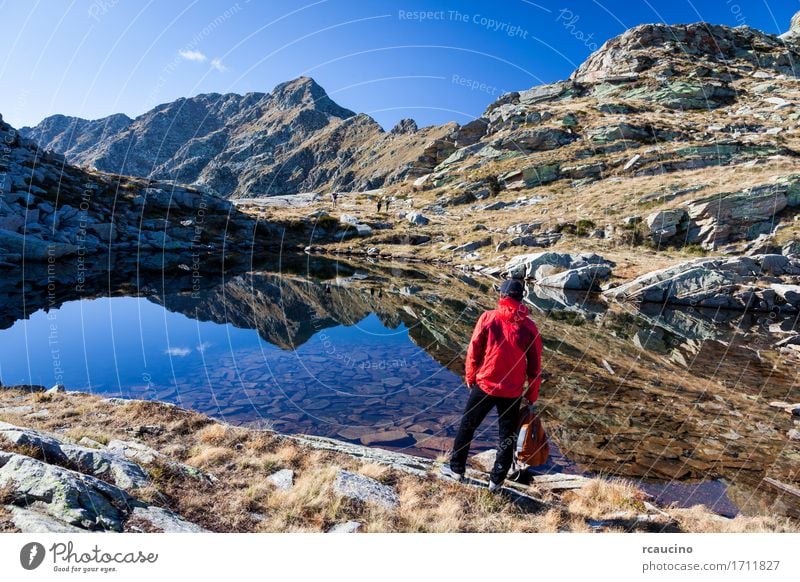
{"x":304,"y":92}
{"x":793,"y":33}
{"x":667,"y":50}
{"x":405,"y":126}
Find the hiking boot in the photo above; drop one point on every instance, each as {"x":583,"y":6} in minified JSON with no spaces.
{"x":495,"y":487}
{"x":448,"y":473}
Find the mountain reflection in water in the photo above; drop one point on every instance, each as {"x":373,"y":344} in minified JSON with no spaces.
{"x":375,"y":354}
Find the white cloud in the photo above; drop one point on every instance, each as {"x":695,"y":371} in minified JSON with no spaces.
{"x":203,"y":347}
{"x":217,"y":64}
{"x":178,"y":352}
{"x":191,"y":55}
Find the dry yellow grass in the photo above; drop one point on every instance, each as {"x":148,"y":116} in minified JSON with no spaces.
{"x":77,"y":434}
{"x":600,"y":497}
{"x":700,"y":520}
{"x":213,"y":434}
{"x":207,"y":457}
{"x":285,"y":456}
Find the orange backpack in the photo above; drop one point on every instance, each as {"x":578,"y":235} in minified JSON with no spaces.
{"x":532,"y":447}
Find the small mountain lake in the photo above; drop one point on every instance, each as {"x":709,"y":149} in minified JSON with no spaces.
{"x":346,"y":380}
{"x":677,"y":400}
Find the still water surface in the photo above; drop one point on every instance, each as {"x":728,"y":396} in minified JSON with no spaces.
{"x":370,"y":355}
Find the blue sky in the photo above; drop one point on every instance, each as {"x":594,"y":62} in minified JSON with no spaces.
{"x":434,"y":61}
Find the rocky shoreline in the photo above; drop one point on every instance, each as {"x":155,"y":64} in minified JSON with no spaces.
{"x":72,"y":462}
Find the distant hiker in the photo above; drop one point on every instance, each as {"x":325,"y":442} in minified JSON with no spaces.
{"x":334,"y":197}
{"x":380,"y":201}
{"x":504,"y":352}
{"x":388,"y":199}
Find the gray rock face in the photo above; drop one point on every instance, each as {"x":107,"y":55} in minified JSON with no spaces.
{"x":90,"y":461}
{"x":53,"y":210}
{"x":527,"y":266}
{"x":739,"y":215}
{"x":24,"y":409}
{"x":133,"y":451}
{"x":633,"y":53}
{"x":123,"y":473}
{"x":540,"y":240}
{"x":48,"y":444}
{"x":726,"y":217}
{"x":361,"y":488}
{"x":530,"y":176}
{"x":535,"y":140}
{"x":75,"y":499}
{"x":413,"y":465}
{"x":585,"y":278}
{"x":405,"y":126}
{"x":484,"y":461}
{"x":140,"y":453}
{"x":664,"y":224}
{"x":47,"y":498}
{"x":163,"y":520}
{"x":29,"y":521}
{"x":789,"y":293}
{"x":417,"y":218}
{"x":473,"y":245}
{"x":724,"y":283}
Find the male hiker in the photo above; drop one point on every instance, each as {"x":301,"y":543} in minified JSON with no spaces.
{"x":505,"y":351}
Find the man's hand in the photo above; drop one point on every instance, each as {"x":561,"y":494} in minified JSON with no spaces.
{"x":531,"y":406}
{"x":470,"y":386}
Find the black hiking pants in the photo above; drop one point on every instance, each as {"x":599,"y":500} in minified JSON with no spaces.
{"x":478,"y":406}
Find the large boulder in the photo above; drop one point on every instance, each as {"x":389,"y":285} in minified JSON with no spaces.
{"x":417,"y":219}
{"x":665,"y":224}
{"x":526,"y":266}
{"x":98,"y":463}
{"x":365,"y":489}
{"x":157,"y":519}
{"x":73,"y":498}
{"x":530,"y":176}
{"x":473,"y":245}
{"x":535,"y":140}
{"x":740,"y":215}
{"x":585,"y":278}
{"x":774,"y":264}
{"x":684,"y":283}
{"x":789,"y":293}
{"x":30,"y":521}
{"x":713,"y":282}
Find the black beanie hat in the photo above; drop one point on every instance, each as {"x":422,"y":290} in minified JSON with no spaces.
{"x":512,"y":288}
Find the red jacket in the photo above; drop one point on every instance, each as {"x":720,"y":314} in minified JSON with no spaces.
{"x":505,"y":350}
